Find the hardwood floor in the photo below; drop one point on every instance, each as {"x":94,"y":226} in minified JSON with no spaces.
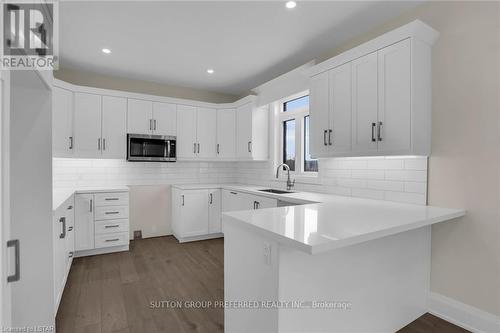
{"x":122,"y":292}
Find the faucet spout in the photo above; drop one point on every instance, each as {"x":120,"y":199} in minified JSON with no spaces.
{"x":289,"y":182}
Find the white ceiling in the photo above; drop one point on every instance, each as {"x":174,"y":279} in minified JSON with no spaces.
{"x":246,"y":43}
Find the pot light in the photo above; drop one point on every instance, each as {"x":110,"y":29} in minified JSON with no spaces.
{"x":290,"y":4}
{"x":210,"y":71}
{"x":107,"y":51}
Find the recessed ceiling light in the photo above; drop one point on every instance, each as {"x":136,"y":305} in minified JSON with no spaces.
{"x":107,"y":51}
{"x":210,"y":71}
{"x":290,"y":4}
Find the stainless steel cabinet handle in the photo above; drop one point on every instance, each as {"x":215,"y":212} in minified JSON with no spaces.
{"x":154,"y":124}
{"x":194,"y":147}
{"x":111,"y":199}
{"x":70,"y":228}
{"x":233,"y":192}
{"x":373,"y":132}
{"x":198,"y":147}
{"x":211,"y":198}
{"x":182,"y":199}
{"x":256,"y":205}
{"x":91,"y":204}
{"x":17,"y":272}
{"x":218,"y":146}
{"x":111,"y":226}
{"x":103,"y":144}
{"x":150,"y":124}
{"x":330,"y":137}
{"x":70,"y":142}
{"x":113,"y":240}
{"x":63,"y":233}
{"x":70,"y":255}
{"x":379,"y":129}
{"x":110,"y":213}
{"x":70,"y":207}
{"x":99,"y":144}
{"x":324,"y":138}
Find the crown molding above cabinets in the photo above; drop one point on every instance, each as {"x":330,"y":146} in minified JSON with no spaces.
{"x":93,"y":123}
{"x":375,"y":99}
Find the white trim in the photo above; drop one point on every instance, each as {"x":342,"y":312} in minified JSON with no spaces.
{"x":416,"y":29}
{"x":463,"y":315}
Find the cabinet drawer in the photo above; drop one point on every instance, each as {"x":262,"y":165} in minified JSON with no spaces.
{"x":111,"y":199}
{"x":108,"y":240}
{"x":111,"y":212}
{"x":110,"y":226}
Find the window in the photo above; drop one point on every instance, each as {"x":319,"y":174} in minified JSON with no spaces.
{"x":294,"y":127}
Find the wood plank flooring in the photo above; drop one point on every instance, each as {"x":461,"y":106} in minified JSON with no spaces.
{"x":115,"y":292}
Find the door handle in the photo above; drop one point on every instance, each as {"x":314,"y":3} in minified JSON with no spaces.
{"x":373,"y":132}
{"x":379,"y":130}
{"x":63,"y":233}
{"x":182,"y":196}
{"x":70,"y":142}
{"x":330,"y":137}
{"x":324,"y":137}
{"x":17,"y":270}
{"x":211,"y":198}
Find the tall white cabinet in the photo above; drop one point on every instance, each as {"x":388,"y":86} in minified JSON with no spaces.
{"x":196,"y":132}
{"x":62,"y":122}
{"x":226,"y":134}
{"x":375,"y":99}
{"x":252,"y":126}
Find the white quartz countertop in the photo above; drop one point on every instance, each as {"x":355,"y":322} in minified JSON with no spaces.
{"x":324,"y":222}
{"x":61,"y":195}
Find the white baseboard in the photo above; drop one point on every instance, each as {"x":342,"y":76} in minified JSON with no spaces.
{"x":463,"y":315}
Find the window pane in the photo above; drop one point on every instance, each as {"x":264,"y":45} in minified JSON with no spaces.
{"x":289,"y":143}
{"x":310,"y":165}
{"x":295,"y":104}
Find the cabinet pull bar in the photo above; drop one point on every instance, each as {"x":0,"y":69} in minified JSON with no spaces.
{"x":70,"y":255}
{"x":198,"y":147}
{"x":103,"y":144}
{"x":70,"y":142}
{"x":150,"y":125}
{"x":91,"y":204}
{"x":109,"y":213}
{"x":233,"y":192}
{"x":111,"y":226}
{"x":211,"y":198}
{"x":182,"y":199}
{"x":99,"y":144}
{"x":109,"y":199}
{"x":17,"y":272}
{"x":112,"y":240}
{"x":70,"y":228}
{"x":330,"y":137}
{"x":218,"y":149}
{"x":154,"y":123}
{"x":324,"y":137}
{"x":373,"y":132}
{"x":379,"y":130}
{"x":63,"y":233}
{"x":194,"y":148}
{"x":70,"y":207}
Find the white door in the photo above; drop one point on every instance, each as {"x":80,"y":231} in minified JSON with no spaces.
{"x":62,"y":122}
{"x":226,"y":134}
{"x":339,"y":139}
{"x":114,"y":127}
{"x":244,"y":131}
{"x":164,"y":118}
{"x":186,"y":132}
{"x":139,"y":116}
{"x":364,"y":103}
{"x":87,"y":132}
{"x":206,"y":133}
{"x":319,"y":115}
{"x":194,"y":219}
{"x":214,"y":211}
{"x":394,"y":113}
{"x":84,"y":222}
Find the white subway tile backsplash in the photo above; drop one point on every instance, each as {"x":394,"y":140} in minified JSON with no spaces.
{"x":417,"y":163}
{"x":414,"y":198}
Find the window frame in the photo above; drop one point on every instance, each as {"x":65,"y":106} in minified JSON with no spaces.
{"x":298,"y":115}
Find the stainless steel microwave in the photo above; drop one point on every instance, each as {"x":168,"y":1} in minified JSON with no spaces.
{"x":151,"y":148}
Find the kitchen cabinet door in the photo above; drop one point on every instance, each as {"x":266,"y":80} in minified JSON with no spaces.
{"x":233,"y":201}
{"x":194,"y":213}
{"x":62,"y":122}
{"x":59,"y":255}
{"x":319,"y":110}
{"x":394,"y":114}
{"x":244,"y":132}
{"x":364,"y":103}
{"x":206,"y":133}
{"x":339,"y":139}
{"x":87,"y":131}
{"x":84,"y":222}
{"x":114,"y":127}
{"x":70,"y":233}
{"x":260,"y":202}
{"x":226,"y":134}
{"x":139,"y":116}
{"x":214,"y":211}
{"x":186,"y":132}
{"x":164,"y":119}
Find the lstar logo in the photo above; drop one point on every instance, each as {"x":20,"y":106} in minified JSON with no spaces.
{"x":29,"y":38}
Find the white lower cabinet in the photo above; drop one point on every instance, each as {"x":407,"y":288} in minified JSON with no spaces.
{"x":235,"y":200}
{"x":64,"y":246}
{"x":84,"y":222}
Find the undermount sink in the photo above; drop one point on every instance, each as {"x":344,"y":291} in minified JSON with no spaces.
{"x":270,"y":190}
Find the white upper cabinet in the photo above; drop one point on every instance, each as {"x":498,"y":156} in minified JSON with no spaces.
{"x":364,"y":103}
{"x":164,"y":119}
{"x":252,"y":132}
{"x":114,"y":127}
{"x":186,"y":132}
{"x":226,"y":134}
{"x":206,"y":130}
{"x":87,"y":125}
{"x":139,"y":116}
{"x":375,"y":99}
{"x":62,"y":122}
